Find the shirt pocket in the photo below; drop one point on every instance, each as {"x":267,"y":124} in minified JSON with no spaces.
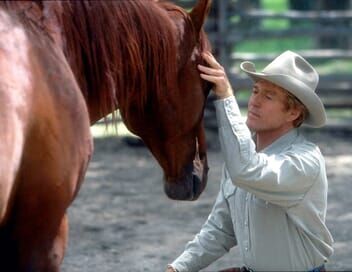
{"x":260,"y":202}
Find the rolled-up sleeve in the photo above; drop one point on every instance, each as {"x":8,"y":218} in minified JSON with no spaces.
{"x":214,"y":240}
{"x":282,"y":179}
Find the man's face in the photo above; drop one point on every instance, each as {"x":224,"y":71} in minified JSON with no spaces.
{"x":266,"y":108}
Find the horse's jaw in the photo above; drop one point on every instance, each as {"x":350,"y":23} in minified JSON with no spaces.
{"x":191,"y":184}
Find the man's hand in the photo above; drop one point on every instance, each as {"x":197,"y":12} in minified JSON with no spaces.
{"x":170,"y":269}
{"x":216,"y":74}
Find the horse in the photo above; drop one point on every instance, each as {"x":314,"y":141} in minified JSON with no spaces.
{"x":66,"y":65}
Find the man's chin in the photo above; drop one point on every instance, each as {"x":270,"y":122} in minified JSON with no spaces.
{"x":250,"y":125}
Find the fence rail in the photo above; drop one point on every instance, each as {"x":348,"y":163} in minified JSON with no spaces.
{"x":317,"y":54}
{"x":294,"y":15}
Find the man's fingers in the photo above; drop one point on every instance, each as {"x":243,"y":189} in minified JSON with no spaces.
{"x":211,"y":78}
{"x":211,"y":71}
{"x":215,"y":74}
{"x":209,"y":58}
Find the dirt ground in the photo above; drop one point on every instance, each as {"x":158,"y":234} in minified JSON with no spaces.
{"x":122,"y":221}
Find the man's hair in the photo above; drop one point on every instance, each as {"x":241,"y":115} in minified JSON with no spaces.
{"x":292,"y":102}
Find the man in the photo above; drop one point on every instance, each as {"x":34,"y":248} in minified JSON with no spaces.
{"x":273,"y":196}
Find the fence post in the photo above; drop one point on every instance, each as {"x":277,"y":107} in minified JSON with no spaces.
{"x":221,"y":38}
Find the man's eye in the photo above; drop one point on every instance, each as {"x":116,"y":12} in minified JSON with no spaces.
{"x":269,"y":97}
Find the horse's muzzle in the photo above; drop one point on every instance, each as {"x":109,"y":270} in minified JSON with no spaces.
{"x":191,"y":184}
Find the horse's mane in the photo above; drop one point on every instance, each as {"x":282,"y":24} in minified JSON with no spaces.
{"x":120,"y":51}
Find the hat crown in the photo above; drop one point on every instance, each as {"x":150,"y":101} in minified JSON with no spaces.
{"x":293,"y":65}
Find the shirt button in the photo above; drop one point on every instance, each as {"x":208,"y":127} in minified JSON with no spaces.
{"x":247,"y":197}
{"x":246,"y":248}
{"x":246,"y":223}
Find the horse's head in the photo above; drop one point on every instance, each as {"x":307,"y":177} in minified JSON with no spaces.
{"x":147,"y":64}
{"x":172,"y":127}
{"x":185,"y":163}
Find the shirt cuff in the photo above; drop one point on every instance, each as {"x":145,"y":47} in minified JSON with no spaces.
{"x":185,"y":263}
{"x":172,"y":267}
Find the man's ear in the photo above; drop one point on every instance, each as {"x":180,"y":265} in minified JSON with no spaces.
{"x":293,"y":114}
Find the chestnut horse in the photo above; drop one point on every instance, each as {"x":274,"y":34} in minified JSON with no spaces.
{"x":65,"y":65}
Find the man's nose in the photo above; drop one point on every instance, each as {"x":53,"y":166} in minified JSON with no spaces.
{"x":255,"y":100}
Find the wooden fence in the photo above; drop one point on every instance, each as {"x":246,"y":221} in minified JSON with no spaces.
{"x":232,"y":22}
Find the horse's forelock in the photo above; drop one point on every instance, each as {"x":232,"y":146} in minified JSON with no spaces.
{"x":120,"y":49}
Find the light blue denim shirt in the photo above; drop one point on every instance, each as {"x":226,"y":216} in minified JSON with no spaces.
{"x":271,"y":204}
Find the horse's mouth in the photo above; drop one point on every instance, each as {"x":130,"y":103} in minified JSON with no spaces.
{"x":192,"y":183}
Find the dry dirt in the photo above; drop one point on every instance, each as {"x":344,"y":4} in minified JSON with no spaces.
{"x":122,"y":221}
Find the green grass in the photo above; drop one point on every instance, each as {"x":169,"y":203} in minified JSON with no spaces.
{"x":243,"y":95}
{"x":278,"y":45}
{"x":275,"y":5}
{"x":274,"y":45}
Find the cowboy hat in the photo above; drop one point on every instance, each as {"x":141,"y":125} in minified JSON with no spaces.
{"x":293,"y":73}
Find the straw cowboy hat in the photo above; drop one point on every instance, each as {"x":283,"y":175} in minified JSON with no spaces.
{"x":293,"y":73}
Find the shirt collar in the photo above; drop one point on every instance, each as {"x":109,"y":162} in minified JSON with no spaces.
{"x":282,"y":142}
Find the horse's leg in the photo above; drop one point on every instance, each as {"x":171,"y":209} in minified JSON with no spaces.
{"x":40,"y":227}
{"x":46,"y":259}
{"x":58,"y":249}
{"x":53,"y":166}
{"x":44,"y":254}
{"x":60,"y":241}
{"x":33,"y":243}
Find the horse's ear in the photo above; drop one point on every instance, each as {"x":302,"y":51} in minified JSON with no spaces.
{"x":199,"y":13}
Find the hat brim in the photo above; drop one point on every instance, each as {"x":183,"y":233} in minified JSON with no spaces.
{"x":315,"y":107}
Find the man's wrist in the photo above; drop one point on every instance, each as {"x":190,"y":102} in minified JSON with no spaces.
{"x":224,"y":94}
